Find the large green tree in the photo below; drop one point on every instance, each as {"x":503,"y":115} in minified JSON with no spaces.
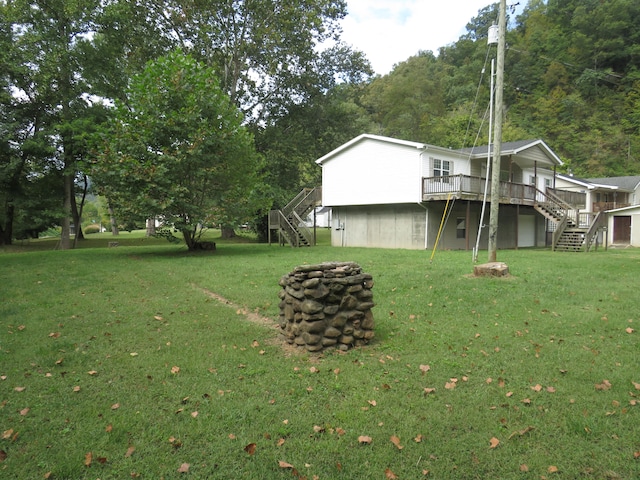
{"x":177,"y":150}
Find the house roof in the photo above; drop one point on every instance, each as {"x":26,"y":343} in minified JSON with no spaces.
{"x":629,"y":183}
{"x":624,"y":209}
{"x":588,"y":184}
{"x":368,"y":136}
{"x":527,"y":152}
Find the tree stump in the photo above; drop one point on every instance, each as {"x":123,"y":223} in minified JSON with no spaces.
{"x":492,"y":269}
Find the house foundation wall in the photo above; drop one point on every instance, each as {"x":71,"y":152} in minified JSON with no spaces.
{"x":405,"y":226}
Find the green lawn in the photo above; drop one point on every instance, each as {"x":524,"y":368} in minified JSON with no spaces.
{"x":116,"y":363}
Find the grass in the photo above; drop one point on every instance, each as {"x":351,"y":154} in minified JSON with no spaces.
{"x":89,"y":340}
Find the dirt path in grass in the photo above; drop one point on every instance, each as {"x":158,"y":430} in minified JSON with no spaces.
{"x":240,"y":309}
{"x":256,"y":318}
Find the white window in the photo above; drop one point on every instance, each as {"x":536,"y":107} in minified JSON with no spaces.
{"x":532,"y":180}
{"x":441,"y":168}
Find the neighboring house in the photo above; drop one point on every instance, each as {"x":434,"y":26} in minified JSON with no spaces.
{"x":392,"y":193}
{"x":619,"y":197}
{"x":624,"y":226}
{"x":603,"y":194}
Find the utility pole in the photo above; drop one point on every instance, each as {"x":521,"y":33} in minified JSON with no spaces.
{"x":497,"y":135}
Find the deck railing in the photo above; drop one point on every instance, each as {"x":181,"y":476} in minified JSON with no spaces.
{"x":466,"y":185}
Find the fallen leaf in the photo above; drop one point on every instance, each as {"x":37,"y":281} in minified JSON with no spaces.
{"x":450,"y":385}
{"x":194,"y":414}
{"x":336,"y":371}
{"x":24,"y":411}
{"x":92,"y":372}
{"x":54,"y":334}
{"x":314,"y":370}
{"x":340,"y":431}
{"x":636,"y":385}
{"x":551,"y":390}
{"x":365,"y":439}
{"x":282,"y":464}
{"x":175,"y":370}
{"x":7,"y":434}
{"x":636,"y":455}
{"x":524,"y":468}
{"x":108,"y":428}
{"x":318,"y":429}
{"x":536,"y":388}
{"x":372,"y":403}
{"x":396,"y":441}
{"x":552,"y":469}
{"x":3,"y":377}
{"x":629,"y":330}
{"x":47,"y":475}
{"x":115,"y":406}
{"x":184,"y":468}
{"x":130,"y":451}
{"x":232,"y":436}
{"x":424,"y":368}
{"x":134,"y":354}
{"x":418,"y":439}
{"x":158,"y":317}
{"x":605,"y":385}
{"x":3,"y":456}
{"x":494,"y":442}
{"x":280,"y":442}
{"x":255,"y":344}
{"x":88,"y":458}
{"x":76,"y":388}
{"x":427,"y":390}
{"x":390,"y":475}
{"x":250,"y":449}
{"x":20,"y":389}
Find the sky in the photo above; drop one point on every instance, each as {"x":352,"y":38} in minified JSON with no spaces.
{"x":391,"y":31}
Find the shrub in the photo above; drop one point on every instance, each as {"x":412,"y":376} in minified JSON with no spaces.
{"x":91,"y":229}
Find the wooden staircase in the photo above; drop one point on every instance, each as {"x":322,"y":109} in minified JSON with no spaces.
{"x":574,"y":231}
{"x":289,"y":221}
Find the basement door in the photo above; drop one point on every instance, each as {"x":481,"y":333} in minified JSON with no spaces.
{"x":526,"y":231}
{"x":622,"y":229}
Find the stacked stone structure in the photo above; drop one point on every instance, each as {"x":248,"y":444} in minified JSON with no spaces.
{"x":327,"y":305}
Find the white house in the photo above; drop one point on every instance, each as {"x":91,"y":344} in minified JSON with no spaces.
{"x":624,"y":226}
{"x":386,"y":192}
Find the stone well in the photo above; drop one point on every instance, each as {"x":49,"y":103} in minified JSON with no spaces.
{"x":327,"y":305}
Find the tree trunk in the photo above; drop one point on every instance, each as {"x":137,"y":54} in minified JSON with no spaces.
{"x":228,"y":232}
{"x":65,"y":236}
{"x":112,"y":220}
{"x":189,"y":239}
{"x":6,"y":232}
{"x":151,"y":227}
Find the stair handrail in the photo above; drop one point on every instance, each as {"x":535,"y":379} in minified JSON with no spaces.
{"x":307,"y":198}
{"x":595,"y":226}
{"x":560,"y":228}
{"x":288,"y":230}
{"x":552,"y":200}
{"x":302,"y":229}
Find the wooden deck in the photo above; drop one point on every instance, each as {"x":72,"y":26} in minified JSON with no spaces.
{"x":465,"y":187}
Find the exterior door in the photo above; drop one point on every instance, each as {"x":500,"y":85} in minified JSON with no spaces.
{"x":622,"y":229}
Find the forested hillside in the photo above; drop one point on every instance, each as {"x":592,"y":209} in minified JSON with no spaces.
{"x":572,"y":77}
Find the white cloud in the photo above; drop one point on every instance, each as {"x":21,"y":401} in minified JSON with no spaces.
{"x":390,"y":31}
